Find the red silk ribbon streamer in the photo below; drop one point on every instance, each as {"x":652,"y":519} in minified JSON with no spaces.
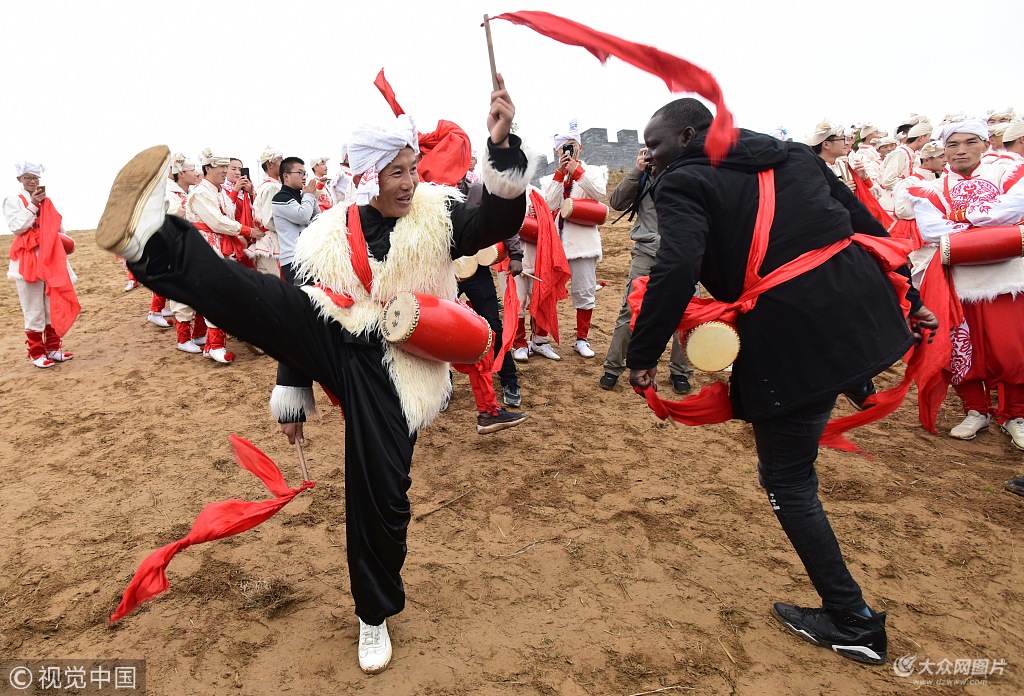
{"x":40,"y":255}
{"x":680,"y":75}
{"x":864,"y":195}
{"x":384,"y":86}
{"x":216,"y":521}
{"x":551,"y":267}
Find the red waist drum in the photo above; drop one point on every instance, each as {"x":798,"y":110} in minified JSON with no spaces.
{"x":437,"y":329}
{"x":980,"y":245}
{"x":584,"y":211}
{"x":496,"y":253}
{"x":528,"y":232}
{"x":68,"y":242}
{"x":465,"y":267}
{"x":712,"y":346}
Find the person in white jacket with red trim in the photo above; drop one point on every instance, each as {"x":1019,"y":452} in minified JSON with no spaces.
{"x":575,"y":179}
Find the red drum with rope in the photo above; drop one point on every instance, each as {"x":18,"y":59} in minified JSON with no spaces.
{"x":584,"y":211}
{"x":528,"y":232}
{"x":980,"y":245}
{"x":437,"y":329}
{"x":488,"y":256}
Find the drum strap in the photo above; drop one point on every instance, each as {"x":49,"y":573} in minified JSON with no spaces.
{"x":360,"y":254}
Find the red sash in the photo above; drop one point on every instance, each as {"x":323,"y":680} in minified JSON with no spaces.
{"x":712,"y":404}
{"x":864,"y":195}
{"x":230,"y":246}
{"x":551,"y":267}
{"x":41,"y":256}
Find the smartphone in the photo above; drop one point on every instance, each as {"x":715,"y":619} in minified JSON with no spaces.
{"x":41,"y":189}
{"x":245,"y":172}
{"x":567,"y":148}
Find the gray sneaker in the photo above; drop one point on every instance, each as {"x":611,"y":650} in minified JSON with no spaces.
{"x":488,"y":423}
{"x":510,"y":394}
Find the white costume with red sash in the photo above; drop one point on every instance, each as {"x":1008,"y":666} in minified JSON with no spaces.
{"x":266,"y":251}
{"x":988,"y":346}
{"x":176,"y":198}
{"x":898,"y":165}
{"x":905,"y":225}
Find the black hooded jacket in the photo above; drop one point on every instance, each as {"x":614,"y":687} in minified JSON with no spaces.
{"x":827,"y":330}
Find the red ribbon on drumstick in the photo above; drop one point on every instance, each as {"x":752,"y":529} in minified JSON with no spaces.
{"x":216,"y":521}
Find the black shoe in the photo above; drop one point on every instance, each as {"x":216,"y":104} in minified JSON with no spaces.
{"x":1016,"y":485}
{"x":859,"y":395}
{"x":608,"y":381}
{"x":681,"y":384}
{"x":487,"y":423}
{"x":856,"y":637}
{"x":510,"y":394}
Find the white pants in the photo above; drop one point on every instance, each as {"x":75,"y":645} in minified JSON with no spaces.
{"x":584,"y":282}
{"x":182,"y":312}
{"x":35,"y":305}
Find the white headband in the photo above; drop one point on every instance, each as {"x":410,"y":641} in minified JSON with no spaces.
{"x":23,"y":168}
{"x":374,"y":146}
{"x":974,"y":126}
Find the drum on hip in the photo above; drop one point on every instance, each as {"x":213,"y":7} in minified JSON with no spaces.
{"x":435,"y":328}
{"x":584,"y":211}
{"x":712,"y":346}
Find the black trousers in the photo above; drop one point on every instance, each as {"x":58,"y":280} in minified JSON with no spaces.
{"x":479,"y":289}
{"x":281,"y":319}
{"x":786,"y":450}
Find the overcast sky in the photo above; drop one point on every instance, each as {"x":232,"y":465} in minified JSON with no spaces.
{"x":92,"y":83}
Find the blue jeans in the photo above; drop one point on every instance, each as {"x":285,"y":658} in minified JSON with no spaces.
{"x":786,"y":450}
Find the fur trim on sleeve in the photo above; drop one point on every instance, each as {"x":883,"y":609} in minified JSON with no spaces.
{"x":511,"y":183}
{"x":290,"y":404}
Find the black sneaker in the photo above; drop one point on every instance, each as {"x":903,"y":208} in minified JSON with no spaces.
{"x":487,"y":423}
{"x":608,"y":381}
{"x":859,"y":395}
{"x":510,"y":394}
{"x":855,"y":637}
{"x":681,"y":384}
{"x":1016,"y":485}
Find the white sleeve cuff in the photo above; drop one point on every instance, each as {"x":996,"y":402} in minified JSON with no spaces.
{"x":289,"y":404}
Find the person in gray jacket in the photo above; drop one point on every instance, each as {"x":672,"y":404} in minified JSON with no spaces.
{"x":634,"y":193}
{"x":294,"y":207}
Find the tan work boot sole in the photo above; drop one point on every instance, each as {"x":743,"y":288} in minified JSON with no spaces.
{"x":128,"y":195}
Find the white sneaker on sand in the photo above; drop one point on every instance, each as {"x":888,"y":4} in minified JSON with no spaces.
{"x":545,"y":350}
{"x":583,"y":348}
{"x":521,"y":354}
{"x":189,"y":347}
{"x":43,"y":361}
{"x":1015,"y":429}
{"x":135,"y":208}
{"x":374,"y":647}
{"x":218,"y":354}
{"x":970,"y":426}
{"x":158,"y":319}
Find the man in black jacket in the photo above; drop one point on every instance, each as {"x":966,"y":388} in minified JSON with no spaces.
{"x":803,"y":343}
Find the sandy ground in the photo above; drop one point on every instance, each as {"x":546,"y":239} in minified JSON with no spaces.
{"x":592,"y":550}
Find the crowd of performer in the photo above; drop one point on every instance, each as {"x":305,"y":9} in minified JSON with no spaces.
{"x":924,"y":184}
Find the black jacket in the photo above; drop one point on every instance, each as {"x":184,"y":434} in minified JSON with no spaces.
{"x":827,"y":330}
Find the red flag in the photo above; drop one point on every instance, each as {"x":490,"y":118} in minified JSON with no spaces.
{"x":551,"y":267}
{"x":49,"y":264}
{"x":216,"y":521}
{"x":680,"y":75}
{"x":389,"y":94}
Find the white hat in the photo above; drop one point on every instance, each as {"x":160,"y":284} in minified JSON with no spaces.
{"x":1014,"y":131}
{"x":822,"y":132}
{"x":573,"y":133}
{"x":887,"y":140}
{"x":914,"y":119}
{"x":867,"y":129}
{"x":974,"y":126}
{"x":270,"y":154}
{"x":933,"y":148}
{"x":953,"y":118}
{"x":23,"y":168}
{"x":920,"y":129}
{"x":319,"y":160}
{"x":209,"y":159}
{"x":1002,"y":114}
{"x":996,"y":130}
{"x":180,"y":163}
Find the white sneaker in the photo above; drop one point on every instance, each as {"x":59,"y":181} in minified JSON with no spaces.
{"x":135,"y":208}
{"x":218,"y":354}
{"x":165,"y":312}
{"x":59,"y":355}
{"x":583,"y":348}
{"x":374,"y":648}
{"x":43,"y":361}
{"x":189,"y":347}
{"x":545,"y":350}
{"x":158,"y":319}
{"x":969,"y":426}
{"x":1015,"y":429}
{"x":521,"y":354}
{"x":132,"y":284}
{"x":201,"y":341}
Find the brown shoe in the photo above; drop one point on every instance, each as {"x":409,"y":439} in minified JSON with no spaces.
{"x":135,"y":208}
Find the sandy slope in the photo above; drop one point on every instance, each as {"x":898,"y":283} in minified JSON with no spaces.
{"x":590,"y":551}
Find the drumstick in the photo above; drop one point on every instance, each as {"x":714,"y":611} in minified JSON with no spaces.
{"x":532,"y":277}
{"x":490,"y":53}
{"x":302,"y":462}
